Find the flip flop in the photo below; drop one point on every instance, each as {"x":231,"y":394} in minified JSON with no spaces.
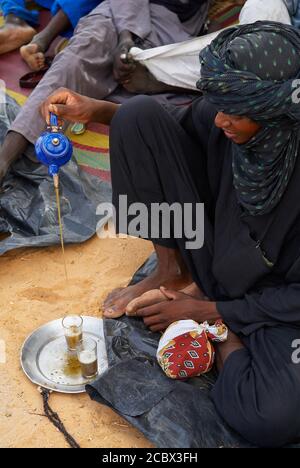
{"x":31,"y":80}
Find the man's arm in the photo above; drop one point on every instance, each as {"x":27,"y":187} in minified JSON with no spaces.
{"x":274,"y":305}
{"x":74,"y":107}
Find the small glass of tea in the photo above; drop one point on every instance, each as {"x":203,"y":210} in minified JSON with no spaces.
{"x":72,"y":325}
{"x":88,"y":358}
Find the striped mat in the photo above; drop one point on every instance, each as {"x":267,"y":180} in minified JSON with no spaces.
{"x":91,"y":150}
{"x":226,"y":12}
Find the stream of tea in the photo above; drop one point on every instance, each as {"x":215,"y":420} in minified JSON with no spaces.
{"x":56,"y":187}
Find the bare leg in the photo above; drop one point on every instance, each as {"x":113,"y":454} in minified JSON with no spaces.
{"x":143,"y":82}
{"x":170,"y":272}
{"x":34,"y":53}
{"x":223,"y":350}
{"x":14,"y":34}
{"x":13,"y":147}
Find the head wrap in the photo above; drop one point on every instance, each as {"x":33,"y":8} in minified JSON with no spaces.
{"x":252,"y":71}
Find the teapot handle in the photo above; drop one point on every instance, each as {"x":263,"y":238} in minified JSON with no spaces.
{"x":53,"y":120}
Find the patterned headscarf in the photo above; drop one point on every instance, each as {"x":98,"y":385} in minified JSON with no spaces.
{"x":250,"y":71}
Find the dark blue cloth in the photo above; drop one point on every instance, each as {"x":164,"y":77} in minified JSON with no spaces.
{"x":294,"y":9}
{"x":73,"y":9}
{"x":184,"y":9}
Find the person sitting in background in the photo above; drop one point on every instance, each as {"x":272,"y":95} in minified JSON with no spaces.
{"x":20,"y":23}
{"x":91,"y":64}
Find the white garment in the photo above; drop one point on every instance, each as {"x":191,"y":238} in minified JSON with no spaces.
{"x":178,"y":64}
{"x":260,"y":10}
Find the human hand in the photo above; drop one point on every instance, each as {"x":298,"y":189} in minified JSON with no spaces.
{"x":71,"y":106}
{"x":155,"y":296}
{"x":176,"y":306}
{"x":123,"y":69}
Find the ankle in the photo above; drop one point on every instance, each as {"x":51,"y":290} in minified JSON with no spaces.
{"x":42,"y":41}
{"x":172,"y":270}
{"x":170,"y":263}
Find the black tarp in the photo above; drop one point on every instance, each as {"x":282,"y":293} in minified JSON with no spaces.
{"x":171,"y":414}
{"x":28,"y":209}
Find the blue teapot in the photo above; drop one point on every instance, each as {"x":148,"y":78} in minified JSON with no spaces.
{"x":53,"y":148}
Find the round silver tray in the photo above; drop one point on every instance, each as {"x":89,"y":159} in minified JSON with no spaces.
{"x":46,"y":361}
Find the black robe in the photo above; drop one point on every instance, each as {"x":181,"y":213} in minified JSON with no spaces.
{"x":248,"y":265}
{"x":255,"y":260}
{"x":184,"y":9}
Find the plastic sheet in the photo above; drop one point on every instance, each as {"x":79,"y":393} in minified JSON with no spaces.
{"x":171,"y":414}
{"x":28,"y":211}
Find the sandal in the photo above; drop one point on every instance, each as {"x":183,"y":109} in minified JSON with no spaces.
{"x":31,"y":80}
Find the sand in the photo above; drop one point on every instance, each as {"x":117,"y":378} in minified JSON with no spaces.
{"x":32,"y":292}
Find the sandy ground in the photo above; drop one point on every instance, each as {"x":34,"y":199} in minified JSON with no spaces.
{"x":32,"y":292}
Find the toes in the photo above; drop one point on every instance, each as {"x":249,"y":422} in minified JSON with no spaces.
{"x":113,"y":312}
{"x":34,"y":59}
{"x":38,"y":61}
{"x":40,"y":57}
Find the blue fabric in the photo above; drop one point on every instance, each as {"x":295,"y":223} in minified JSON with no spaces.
{"x":18,"y":8}
{"x":294,"y":10}
{"x":74,"y":9}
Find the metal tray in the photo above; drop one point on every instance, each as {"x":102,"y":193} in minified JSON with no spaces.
{"x":46,"y":361}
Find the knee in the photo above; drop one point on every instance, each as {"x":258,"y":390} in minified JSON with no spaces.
{"x":129,"y":130}
{"x":134,"y":113}
{"x":264,"y":418}
{"x":270,"y":428}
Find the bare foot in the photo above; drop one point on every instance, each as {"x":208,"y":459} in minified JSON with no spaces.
{"x":175,"y":276}
{"x":34,"y":53}
{"x":33,"y":56}
{"x":14,"y":34}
